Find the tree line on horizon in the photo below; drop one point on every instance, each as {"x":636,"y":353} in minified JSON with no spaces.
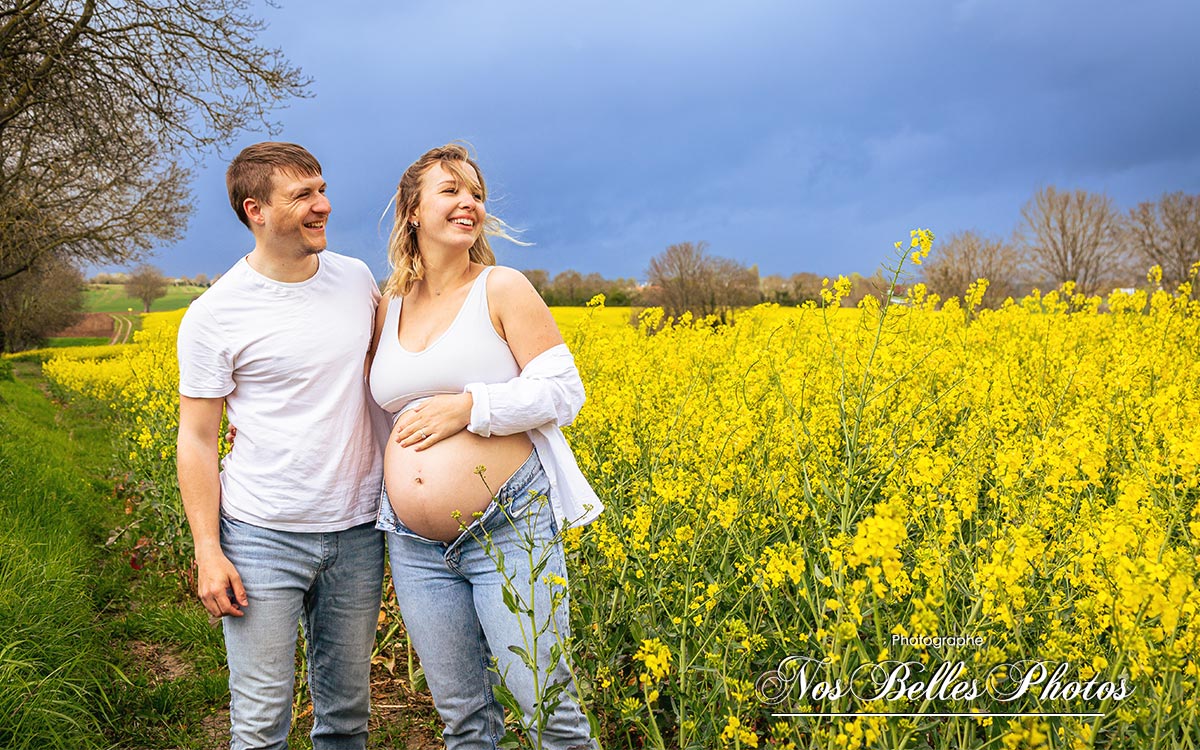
{"x":1076,"y":236}
{"x":1062,"y":236}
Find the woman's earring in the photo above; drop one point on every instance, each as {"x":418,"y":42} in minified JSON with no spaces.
{"x":416,"y":225}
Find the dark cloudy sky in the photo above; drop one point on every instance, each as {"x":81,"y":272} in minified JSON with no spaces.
{"x":800,"y":136}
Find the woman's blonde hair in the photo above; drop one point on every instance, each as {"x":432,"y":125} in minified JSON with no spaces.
{"x":403,"y":253}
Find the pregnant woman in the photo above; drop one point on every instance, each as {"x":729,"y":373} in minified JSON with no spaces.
{"x":471,"y":363}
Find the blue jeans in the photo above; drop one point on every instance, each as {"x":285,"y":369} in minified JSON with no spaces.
{"x":331,"y":584}
{"x":452,"y":601}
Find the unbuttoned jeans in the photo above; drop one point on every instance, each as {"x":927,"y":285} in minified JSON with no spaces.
{"x":452,"y":602}
{"x":331,"y":584}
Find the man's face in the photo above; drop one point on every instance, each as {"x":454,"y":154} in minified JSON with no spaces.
{"x":297,"y":213}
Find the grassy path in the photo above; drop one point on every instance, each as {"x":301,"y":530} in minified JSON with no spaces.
{"x":98,"y":648}
{"x":92,"y":654}
{"x":53,"y":676}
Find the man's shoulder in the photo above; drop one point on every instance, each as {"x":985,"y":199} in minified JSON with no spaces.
{"x":223,"y":292}
{"x":227,"y":283}
{"x":347,"y":274}
{"x":346,"y":263}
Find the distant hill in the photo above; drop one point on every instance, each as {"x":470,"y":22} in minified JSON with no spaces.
{"x":112,"y":298}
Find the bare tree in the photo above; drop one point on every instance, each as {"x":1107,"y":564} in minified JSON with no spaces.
{"x":775,"y":288}
{"x":968,"y":256}
{"x":1073,"y":236}
{"x":539,"y":277}
{"x":565,"y":289}
{"x":573,"y":288}
{"x":678,"y":277}
{"x":46,"y":299}
{"x":101,"y":101}
{"x":146,"y":283}
{"x":731,"y":284}
{"x":805,"y":286}
{"x":593,"y":284}
{"x":1166,"y":234}
{"x":861,"y":286}
{"x":684,"y":278}
{"x":621,"y":291}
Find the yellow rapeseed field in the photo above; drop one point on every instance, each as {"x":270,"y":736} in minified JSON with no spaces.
{"x":898,"y":513}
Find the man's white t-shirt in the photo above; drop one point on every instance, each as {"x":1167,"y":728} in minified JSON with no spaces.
{"x":288,"y":360}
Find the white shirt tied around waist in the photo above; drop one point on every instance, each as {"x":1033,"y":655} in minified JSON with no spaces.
{"x":545,"y":397}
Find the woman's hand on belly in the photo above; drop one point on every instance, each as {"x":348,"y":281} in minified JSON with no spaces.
{"x":433,"y":420}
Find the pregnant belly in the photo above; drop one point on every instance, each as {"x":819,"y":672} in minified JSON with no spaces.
{"x":427,"y":487}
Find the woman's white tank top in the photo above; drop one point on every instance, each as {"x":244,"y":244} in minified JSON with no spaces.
{"x":469,"y":351}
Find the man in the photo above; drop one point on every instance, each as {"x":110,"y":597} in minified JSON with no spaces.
{"x":285,"y":533}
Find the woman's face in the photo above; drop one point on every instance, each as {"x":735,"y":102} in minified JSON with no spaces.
{"x":449,"y":211}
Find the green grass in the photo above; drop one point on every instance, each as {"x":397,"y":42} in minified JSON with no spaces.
{"x":55,"y":674}
{"x":93,"y":654}
{"x":175,"y":695}
{"x":112,"y":298}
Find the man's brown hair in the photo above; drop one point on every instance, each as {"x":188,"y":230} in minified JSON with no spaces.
{"x":249,"y":174}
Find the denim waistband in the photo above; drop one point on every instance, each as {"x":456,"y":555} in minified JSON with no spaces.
{"x":521,"y":477}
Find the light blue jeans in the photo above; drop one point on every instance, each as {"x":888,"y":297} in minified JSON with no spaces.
{"x":452,"y":602}
{"x":330,"y":583}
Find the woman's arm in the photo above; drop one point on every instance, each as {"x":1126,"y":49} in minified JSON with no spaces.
{"x":547,"y":391}
{"x":548,"y":388}
{"x":520,"y":316}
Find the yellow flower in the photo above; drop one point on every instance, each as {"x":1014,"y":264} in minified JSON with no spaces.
{"x":656,"y":657}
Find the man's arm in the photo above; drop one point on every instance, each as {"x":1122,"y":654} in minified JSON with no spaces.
{"x":200,"y":486}
{"x":376,"y":332}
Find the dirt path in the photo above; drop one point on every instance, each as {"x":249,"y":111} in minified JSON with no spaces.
{"x":122,"y":329}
